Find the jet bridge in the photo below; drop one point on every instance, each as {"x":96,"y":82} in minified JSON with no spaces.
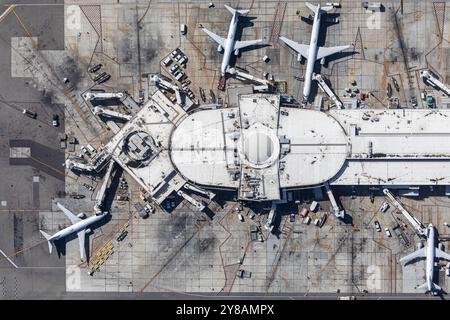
{"x":413,"y":220}
{"x":103,"y":95}
{"x":326,"y":88}
{"x":263,"y":85}
{"x":337,"y":211}
{"x":200,"y":206}
{"x":163,"y":83}
{"x":207,"y":193}
{"x":168,"y":86}
{"x":271,"y":217}
{"x":111,"y":114}
{"x":428,"y":77}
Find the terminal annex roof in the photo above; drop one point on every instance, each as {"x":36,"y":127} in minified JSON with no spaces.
{"x":261,"y":146}
{"x":141,"y":147}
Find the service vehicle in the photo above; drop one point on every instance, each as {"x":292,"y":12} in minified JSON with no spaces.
{"x":29,"y":113}
{"x":95,"y":67}
{"x":303,"y":212}
{"x":313,"y":206}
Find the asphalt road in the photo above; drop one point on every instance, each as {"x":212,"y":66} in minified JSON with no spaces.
{"x":28,"y":186}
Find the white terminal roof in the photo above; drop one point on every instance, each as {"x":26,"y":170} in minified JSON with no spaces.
{"x":260,"y":147}
{"x":409,"y":147}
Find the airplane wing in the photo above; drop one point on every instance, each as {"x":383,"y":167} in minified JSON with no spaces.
{"x":415,"y":255}
{"x":243,"y":44}
{"x":215,"y":37}
{"x":81,"y":237}
{"x":441,"y":254}
{"x":324,"y":51}
{"x":73,"y":218}
{"x":300,"y":48}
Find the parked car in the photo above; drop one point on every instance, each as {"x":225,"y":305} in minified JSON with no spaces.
{"x":377,"y":226}
{"x":55,"y":120}
{"x":384,"y":207}
{"x":388,"y":232}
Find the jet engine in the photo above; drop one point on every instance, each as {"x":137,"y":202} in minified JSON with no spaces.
{"x":88,"y":230}
{"x":322,"y":61}
{"x":299,"y":57}
{"x":81,"y":215}
{"x":236,"y":52}
{"x":219,"y":48}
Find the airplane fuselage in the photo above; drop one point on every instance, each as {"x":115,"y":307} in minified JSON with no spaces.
{"x":431,"y":253}
{"x":229,"y":44}
{"x":312,"y":54}
{"x":76,"y":227}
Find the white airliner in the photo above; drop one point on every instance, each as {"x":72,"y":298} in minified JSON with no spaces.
{"x":313,"y":52}
{"x":79,"y":226}
{"x":430,"y":252}
{"x":229,"y":44}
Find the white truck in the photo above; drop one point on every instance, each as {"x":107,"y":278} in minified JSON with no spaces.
{"x":183,"y":29}
{"x":313,"y":206}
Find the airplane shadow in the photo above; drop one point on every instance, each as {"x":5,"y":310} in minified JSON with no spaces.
{"x":112,"y":189}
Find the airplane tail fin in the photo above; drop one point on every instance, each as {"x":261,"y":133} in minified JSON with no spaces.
{"x":313,"y":8}
{"x":233,"y":11}
{"x":50,"y":244}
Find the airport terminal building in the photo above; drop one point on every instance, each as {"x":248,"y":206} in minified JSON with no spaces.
{"x":261,"y":147}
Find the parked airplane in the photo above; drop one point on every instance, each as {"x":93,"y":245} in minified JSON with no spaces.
{"x":229,"y":44}
{"x":313,"y":52}
{"x":430,"y":252}
{"x":79,"y":226}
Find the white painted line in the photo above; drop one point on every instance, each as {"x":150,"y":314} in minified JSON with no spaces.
{"x":7,"y":258}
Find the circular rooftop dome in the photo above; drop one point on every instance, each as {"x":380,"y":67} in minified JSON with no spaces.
{"x":259,"y":147}
{"x":138,"y":145}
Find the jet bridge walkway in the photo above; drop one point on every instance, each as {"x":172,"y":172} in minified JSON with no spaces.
{"x":326,"y":88}
{"x":428,"y":77}
{"x":412,"y":220}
